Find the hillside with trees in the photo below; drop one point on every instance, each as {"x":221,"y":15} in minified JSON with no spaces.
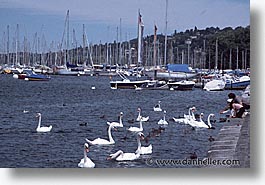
{"x":233,"y":47}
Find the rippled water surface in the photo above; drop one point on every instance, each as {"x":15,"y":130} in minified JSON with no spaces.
{"x":68,"y":102}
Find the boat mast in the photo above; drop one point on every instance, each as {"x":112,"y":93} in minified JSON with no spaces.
{"x":245,"y":59}
{"x":154,"y":60}
{"x":130,"y":52}
{"x":65,"y":52}
{"x":67,"y":49}
{"x":230,"y":59}
{"x":120,"y":47}
{"x":209,"y":64}
{"x":165,"y":55}
{"x":8,"y":45}
{"x":237,"y":57}
{"x":84,"y":46}
{"x":117,"y":52}
{"x":17,"y":43}
{"x":107,"y":47}
{"x":140,"y":34}
{"x":216,"y":54}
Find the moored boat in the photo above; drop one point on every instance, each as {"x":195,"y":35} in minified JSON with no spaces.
{"x":181,"y":85}
{"x":127,"y":84}
{"x":215,"y":85}
{"x":31,"y":76}
{"x":155,"y":85}
{"x":172,"y":71}
{"x":237,"y":84}
{"x":37,"y":77}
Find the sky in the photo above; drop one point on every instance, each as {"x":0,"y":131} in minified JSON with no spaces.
{"x":102,"y":17}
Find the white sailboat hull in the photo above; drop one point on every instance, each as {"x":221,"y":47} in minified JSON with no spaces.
{"x":214,"y":85}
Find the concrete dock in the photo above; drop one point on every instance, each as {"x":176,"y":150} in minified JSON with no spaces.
{"x":231,"y":148}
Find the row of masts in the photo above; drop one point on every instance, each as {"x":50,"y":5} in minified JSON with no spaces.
{"x":146,"y":53}
{"x":125,"y":53}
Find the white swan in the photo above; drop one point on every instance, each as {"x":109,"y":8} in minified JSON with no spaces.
{"x":136,"y":129}
{"x":121,"y":156}
{"x":141,"y":117}
{"x":137,"y":88}
{"x":157,"y":107}
{"x":25,"y":111}
{"x":181,"y":120}
{"x":86,"y":162}
{"x":42,"y":129}
{"x":187,"y":118}
{"x":100,"y":141}
{"x":117,"y":124}
{"x":143,"y":150}
{"x":191,"y":113}
{"x":163,"y":121}
{"x":201,"y":123}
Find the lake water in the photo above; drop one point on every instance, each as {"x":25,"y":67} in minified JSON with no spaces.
{"x":66,"y":102}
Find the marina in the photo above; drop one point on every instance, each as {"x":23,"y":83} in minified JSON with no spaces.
{"x":147,"y":100}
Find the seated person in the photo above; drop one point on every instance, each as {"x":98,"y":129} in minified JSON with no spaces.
{"x":238,"y":110}
{"x":234,"y":99}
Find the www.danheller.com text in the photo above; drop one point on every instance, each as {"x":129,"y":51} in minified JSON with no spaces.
{"x":192,"y":162}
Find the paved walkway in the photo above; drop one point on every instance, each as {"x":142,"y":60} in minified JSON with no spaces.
{"x":232,"y":143}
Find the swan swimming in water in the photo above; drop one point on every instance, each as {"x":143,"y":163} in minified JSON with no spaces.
{"x":25,"y":111}
{"x":157,"y":107}
{"x":163,"y":121}
{"x":191,"y":114}
{"x":187,"y":118}
{"x":136,"y":129}
{"x":143,"y":150}
{"x":201,"y":123}
{"x":42,"y":129}
{"x":116,"y":124}
{"x":121,"y":156}
{"x":86,"y":162}
{"x":137,"y":88}
{"x":141,"y":117}
{"x":100,"y":141}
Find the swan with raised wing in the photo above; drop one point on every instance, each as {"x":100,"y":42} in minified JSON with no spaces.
{"x":163,"y":121}
{"x":42,"y":129}
{"x":100,"y":141}
{"x":141,"y":117}
{"x":157,"y":107}
{"x":117,"y":124}
{"x":86,"y":162}
{"x":136,"y":129}
{"x":143,"y":150}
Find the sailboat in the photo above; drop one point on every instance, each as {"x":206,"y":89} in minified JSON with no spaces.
{"x":171,"y":71}
{"x":126,"y":83}
{"x":65,"y":69}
